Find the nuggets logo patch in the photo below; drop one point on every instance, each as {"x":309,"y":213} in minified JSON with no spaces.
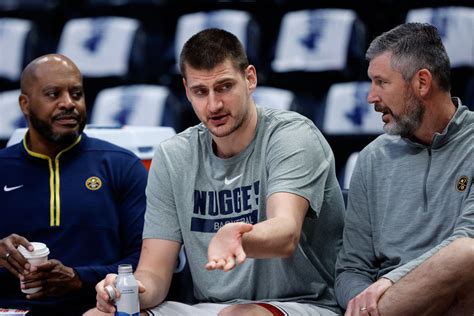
{"x":462,"y":183}
{"x":93,"y":183}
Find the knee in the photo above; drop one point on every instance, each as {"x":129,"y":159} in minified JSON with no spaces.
{"x":234,"y":310}
{"x":243,"y":309}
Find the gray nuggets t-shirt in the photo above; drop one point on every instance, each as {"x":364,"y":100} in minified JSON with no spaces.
{"x":191,"y":193}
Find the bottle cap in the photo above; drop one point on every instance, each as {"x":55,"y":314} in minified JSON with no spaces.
{"x":125,"y":269}
{"x":110,"y":292}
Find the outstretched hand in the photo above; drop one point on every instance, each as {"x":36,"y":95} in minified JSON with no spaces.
{"x":225,"y":250}
{"x":365,"y":303}
{"x":55,"y":279}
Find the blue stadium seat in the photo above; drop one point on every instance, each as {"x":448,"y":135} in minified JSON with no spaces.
{"x":456,"y":26}
{"x":103,"y":46}
{"x":347,"y":112}
{"x":18,"y":46}
{"x":141,"y":140}
{"x":239,"y":23}
{"x":108,"y":50}
{"x":276,"y":98}
{"x":11,"y":116}
{"x":315,"y":48}
{"x":138,"y":105}
{"x":348,"y":122}
{"x":345,"y":174}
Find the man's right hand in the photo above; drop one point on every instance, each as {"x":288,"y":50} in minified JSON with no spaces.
{"x":365,"y":303}
{"x":104,"y":304}
{"x":11,"y":258}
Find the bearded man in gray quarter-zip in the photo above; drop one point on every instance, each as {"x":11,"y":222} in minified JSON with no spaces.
{"x":408,"y":245}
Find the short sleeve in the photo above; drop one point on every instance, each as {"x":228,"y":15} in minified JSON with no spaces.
{"x":161,"y":219}
{"x":298,"y":162}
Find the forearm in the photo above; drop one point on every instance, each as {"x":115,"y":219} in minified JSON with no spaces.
{"x":156,"y":288}
{"x":155,"y":270}
{"x":276,"y":237}
{"x":348,"y":285}
{"x":396,"y":274}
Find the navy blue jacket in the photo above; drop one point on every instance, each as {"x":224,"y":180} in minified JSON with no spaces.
{"x":87,"y":205}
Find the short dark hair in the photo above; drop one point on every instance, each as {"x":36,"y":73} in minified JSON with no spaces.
{"x":414,"y":46}
{"x":211,"y":47}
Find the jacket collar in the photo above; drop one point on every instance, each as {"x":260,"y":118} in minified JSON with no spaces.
{"x":31,"y":153}
{"x":450,"y":131}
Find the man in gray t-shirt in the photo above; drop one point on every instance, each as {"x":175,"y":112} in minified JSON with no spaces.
{"x":250,"y":192}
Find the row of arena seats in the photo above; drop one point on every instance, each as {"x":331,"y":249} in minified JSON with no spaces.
{"x":309,"y":50}
{"x":117,"y":47}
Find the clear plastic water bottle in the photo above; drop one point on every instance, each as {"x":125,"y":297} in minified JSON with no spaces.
{"x":128,"y":303}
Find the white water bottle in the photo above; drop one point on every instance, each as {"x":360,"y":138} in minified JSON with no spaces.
{"x":128,"y":303}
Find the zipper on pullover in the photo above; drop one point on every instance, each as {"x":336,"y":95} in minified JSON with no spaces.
{"x":425,"y":183}
{"x":54,"y":177}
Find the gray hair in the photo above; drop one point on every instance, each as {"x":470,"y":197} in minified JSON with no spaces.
{"x":414,"y":46}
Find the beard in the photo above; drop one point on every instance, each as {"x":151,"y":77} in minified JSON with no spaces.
{"x":45,"y":129}
{"x":408,"y":122}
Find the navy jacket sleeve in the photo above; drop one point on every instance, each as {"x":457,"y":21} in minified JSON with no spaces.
{"x":131,"y":205}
